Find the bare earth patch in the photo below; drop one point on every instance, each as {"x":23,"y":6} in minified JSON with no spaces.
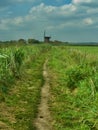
{"x":43,"y":120}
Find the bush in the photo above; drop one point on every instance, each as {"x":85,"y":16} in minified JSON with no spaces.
{"x":76,"y":74}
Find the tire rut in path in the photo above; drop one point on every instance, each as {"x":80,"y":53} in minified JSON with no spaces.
{"x":43,"y":120}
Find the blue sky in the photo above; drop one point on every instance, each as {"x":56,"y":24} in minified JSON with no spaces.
{"x":65,"y":20}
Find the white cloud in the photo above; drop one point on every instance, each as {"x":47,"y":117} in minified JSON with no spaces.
{"x":18,"y":21}
{"x":88,"y":21}
{"x":64,"y":20}
{"x":7,"y":23}
{"x":81,"y":1}
{"x":43,"y":10}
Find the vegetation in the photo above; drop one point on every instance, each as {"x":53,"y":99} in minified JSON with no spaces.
{"x":74,"y":88}
{"x":73,"y":77}
{"x":20,"y":83}
{"x":32,"y":41}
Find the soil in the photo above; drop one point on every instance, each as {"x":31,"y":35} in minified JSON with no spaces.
{"x":43,"y":120}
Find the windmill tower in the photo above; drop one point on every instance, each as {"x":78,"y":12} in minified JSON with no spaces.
{"x":46,"y":38}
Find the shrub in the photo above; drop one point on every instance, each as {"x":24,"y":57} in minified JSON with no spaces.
{"x":76,"y":74}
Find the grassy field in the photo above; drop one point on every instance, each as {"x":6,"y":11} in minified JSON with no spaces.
{"x":73,"y":73}
{"x":88,"y":49}
{"x":20,"y":86}
{"x":74,"y":88}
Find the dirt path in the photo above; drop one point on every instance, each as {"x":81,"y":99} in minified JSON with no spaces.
{"x":43,"y":120}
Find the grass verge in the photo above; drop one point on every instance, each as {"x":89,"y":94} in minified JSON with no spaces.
{"x":19,"y":108}
{"x":74,"y":93}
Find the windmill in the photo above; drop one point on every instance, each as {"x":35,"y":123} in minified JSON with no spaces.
{"x":46,"y":38}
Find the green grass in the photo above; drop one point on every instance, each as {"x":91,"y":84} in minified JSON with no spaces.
{"x":73,"y":72}
{"x":18,"y":107}
{"x":73,"y":80}
{"x":88,"y":49}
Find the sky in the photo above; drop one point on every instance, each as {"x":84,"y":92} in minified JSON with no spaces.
{"x":64,"y":20}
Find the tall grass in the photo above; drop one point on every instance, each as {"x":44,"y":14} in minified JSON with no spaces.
{"x":19,"y":99}
{"x":10,"y":66}
{"x":74,"y":86}
{"x":73,"y":76}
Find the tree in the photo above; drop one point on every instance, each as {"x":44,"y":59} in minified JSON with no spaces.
{"x":31,"y":41}
{"x":22,"y":41}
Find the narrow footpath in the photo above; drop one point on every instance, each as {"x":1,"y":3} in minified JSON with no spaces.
{"x":43,"y":120}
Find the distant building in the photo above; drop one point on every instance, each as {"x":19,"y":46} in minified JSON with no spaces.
{"x":46,"y":38}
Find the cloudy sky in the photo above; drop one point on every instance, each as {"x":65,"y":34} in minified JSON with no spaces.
{"x":65,"y":20}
